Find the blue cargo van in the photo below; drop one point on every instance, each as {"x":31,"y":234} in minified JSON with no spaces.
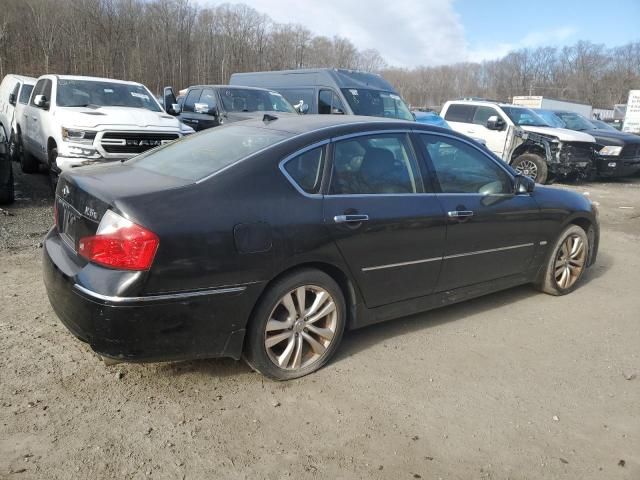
{"x":331,"y":91}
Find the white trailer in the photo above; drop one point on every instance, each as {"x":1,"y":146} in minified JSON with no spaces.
{"x":553,"y":104}
{"x":632,"y":115}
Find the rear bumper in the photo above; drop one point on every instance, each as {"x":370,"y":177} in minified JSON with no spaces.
{"x":179,"y":326}
{"x":617,"y":166}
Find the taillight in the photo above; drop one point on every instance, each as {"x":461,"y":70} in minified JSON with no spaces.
{"x":119,"y":243}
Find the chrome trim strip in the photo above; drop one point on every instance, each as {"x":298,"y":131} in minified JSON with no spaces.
{"x":152,"y":298}
{"x":402,"y":264}
{"x":544,"y":242}
{"x":490,"y":250}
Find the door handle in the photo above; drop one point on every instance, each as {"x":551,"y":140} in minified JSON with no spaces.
{"x":350,"y":218}
{"x":460,"y":214}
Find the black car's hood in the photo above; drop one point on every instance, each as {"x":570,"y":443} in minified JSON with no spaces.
{"x":618,"y":139}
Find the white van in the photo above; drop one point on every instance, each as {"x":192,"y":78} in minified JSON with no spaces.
{"x":14,"y":95}
{"x":523,"y":139}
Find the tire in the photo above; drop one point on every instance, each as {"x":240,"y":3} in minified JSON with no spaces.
{"x":531,"y":165}
{"x":54,"y":171}
{"x":554,"y":281}
{"x":278,"y":305}
{"x":28,"y":163}
{"x":14,"y":149}
{"x":7,"y":195}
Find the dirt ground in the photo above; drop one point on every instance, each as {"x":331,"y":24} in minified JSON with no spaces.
{"x":515,"y":385}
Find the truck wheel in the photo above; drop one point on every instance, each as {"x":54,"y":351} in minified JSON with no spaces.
{"x":7,"y":192}
{"x":28,"y":163}
{"x":14,"y":148}
{"x":54,"y":171}
{"x":532,"y":166}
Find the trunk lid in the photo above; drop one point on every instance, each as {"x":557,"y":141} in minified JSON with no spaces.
{"x":83,"y":195}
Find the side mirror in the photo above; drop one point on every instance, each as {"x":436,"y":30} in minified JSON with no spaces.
{"x":175,"y":108}
{"x":41,"y":101}
{"x":12,"y":99}
{"x":301,"y":107}
{"x":168,"y":101}
{"x":205,"y":109}
{"x":494,"y":122}
{"x":524,"y":185}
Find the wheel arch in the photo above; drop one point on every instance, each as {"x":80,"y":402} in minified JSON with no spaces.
{"x":338,"y":274}
{"x":532,"y":148}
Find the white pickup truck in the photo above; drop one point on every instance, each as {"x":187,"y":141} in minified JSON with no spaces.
{"x":523,"y":139}
{"x":72,"y":121}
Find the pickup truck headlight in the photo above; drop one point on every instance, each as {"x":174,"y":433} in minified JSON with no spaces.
{"x":78,"y":136}
{"x":610,"y":150}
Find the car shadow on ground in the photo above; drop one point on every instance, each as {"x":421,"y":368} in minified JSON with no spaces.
{"x":359,"y":340}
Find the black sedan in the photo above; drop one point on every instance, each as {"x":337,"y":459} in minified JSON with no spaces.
{"x":267,"y":239}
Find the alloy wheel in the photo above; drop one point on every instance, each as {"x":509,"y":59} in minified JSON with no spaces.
{"x":301,"y":327}
{"x":528,"y":169}
{"x":570,"y":261}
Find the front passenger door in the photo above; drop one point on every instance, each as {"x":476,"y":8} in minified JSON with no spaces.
{"x":491,"y":231}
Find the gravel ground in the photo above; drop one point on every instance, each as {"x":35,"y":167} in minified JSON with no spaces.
{"x":514,"y":385}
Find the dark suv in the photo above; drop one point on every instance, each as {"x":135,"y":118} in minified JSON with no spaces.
{"x":207,"y":106}
{"x":617,"y":153}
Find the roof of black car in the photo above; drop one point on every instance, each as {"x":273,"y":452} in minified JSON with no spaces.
{"x":234,"y":87}
{"x":298,"y":124}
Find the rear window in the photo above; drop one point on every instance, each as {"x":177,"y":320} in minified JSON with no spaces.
{"x":459,"y":113}
{"x":199,"y":155}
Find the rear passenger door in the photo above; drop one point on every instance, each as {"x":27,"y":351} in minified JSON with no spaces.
{"x":389,"y":228}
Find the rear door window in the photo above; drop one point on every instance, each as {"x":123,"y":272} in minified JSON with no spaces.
{"x":306,"y":170}
{"x":376,"y":164}
{"x":460,"y":113}
{"x":25,"y":93}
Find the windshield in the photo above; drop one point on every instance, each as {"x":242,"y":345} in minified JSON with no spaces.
{"x":377,"y":103}
{"x":201,"y":154}
{"x":249,"y":100}
{"x":573,"y":121}
{"x":524,"y":117}
{"x":600,"y":125}
{"x":551,"y":118}
{"x":82,"y":93}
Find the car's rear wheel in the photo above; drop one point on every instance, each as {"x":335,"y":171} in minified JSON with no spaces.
{"x":297,"y":326}
{"x":567,"y":262}
{"x":532,"y":166}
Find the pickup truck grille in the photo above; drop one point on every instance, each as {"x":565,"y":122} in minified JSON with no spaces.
{"x":134,"y":142}
{"x":631,"y":151}
{"x":577,"y":151}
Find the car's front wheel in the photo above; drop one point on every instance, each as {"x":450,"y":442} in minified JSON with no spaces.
{"x":567,"y":262}
{"x":297,"y":325}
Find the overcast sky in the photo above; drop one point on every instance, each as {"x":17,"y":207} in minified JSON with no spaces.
{"x":431,"y":32}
